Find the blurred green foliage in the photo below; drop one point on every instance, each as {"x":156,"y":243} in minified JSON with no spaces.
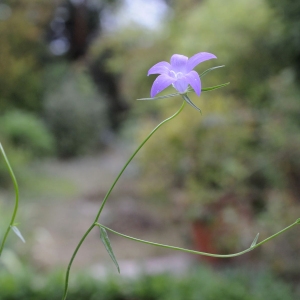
{"x":27,"y":132}
{"x":233,"y":143}
{"x":247,"y":48}
{"x":75,"y":113}
{"x":24,"y":137}
{"x":246,"y":143}
{"x":201,"y":284}
{"x":22,"y":53}
{"x":288,"y":11}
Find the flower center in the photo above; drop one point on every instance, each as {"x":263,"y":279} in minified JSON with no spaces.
{"x":177,"y":75}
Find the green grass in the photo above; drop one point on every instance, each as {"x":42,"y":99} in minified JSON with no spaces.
{"x":198,"y":284}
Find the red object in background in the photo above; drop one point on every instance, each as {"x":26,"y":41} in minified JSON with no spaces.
{"x":203,"y":240}
{"x":217,"y":233}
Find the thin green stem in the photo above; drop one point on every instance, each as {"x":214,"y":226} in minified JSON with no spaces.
{"x":276,"y":234}
{"x":199,"y":252}
{"x":107,"y":195}
{"x":12,"y":175}
{"x":72,"y":259}
{"x":133,"y":155}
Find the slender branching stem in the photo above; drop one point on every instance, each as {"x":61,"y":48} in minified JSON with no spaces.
{"x":198,"y":252}
{"x":133,"y":155}
{"x":12,"y":175}
{"x":72,"y":259}
{"x":107,"y":195}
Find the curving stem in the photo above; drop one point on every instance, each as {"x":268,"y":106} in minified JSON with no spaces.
{"x":107,"y":195}
{"x":12,"y":175}
{"x":199,"y":252}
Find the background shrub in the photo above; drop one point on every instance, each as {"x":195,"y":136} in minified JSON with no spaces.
{"x":24,"y":137}
{"x":75,"y":114}
{"x":26,"y":131}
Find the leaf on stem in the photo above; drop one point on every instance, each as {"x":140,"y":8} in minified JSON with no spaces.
{"x":189,"y":101}
{"x":211,"y":88}
{"x":208,"y":70}
{"x":18,"y":233}
{"x":104,"y":238}
{"x":254,"y":241}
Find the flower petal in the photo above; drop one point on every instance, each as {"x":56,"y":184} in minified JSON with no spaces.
{"x":181,"y":85}
{"x":162,"y":67}
{"x":197,"y":59}
{"x":178,"y":63}
{"x":193,"y":79}
{"x":160,"y":83}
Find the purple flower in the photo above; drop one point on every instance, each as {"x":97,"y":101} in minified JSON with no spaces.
{"x":179,"y":73}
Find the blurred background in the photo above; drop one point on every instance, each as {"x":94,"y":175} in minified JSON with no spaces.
{"x":70,"y":74}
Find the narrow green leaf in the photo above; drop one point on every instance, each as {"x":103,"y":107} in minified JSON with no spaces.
{"x":160,"y":97}
{"x":106,"y":242}
{"x":18,"y":233}
{"x":208,"y":70}
{"x":189,"y":101}
{"x":254,"y":241}
{"x":211,"y":88}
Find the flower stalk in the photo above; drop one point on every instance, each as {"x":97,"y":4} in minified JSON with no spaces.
{"x":16,"y":188}
{"x":95,"y":223}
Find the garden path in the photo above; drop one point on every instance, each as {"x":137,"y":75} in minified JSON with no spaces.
{"x":55,"y":221}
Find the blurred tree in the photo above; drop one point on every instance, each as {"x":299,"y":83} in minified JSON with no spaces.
{"x":289,"y":12}
{"x":108,"y":84}
{"x":75,"y":113}
{"x":74,"y":26}
{"x":77,"y":22}
{"x":22,"y":53}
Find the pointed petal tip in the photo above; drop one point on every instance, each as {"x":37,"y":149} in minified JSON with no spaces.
{"x":199,"y":58}
{"x":207,"y":54}
{"x":162,"y":67}
{"x":160,"y":83}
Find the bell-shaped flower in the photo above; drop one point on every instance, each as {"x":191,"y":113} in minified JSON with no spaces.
{"x":179,"y":72}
